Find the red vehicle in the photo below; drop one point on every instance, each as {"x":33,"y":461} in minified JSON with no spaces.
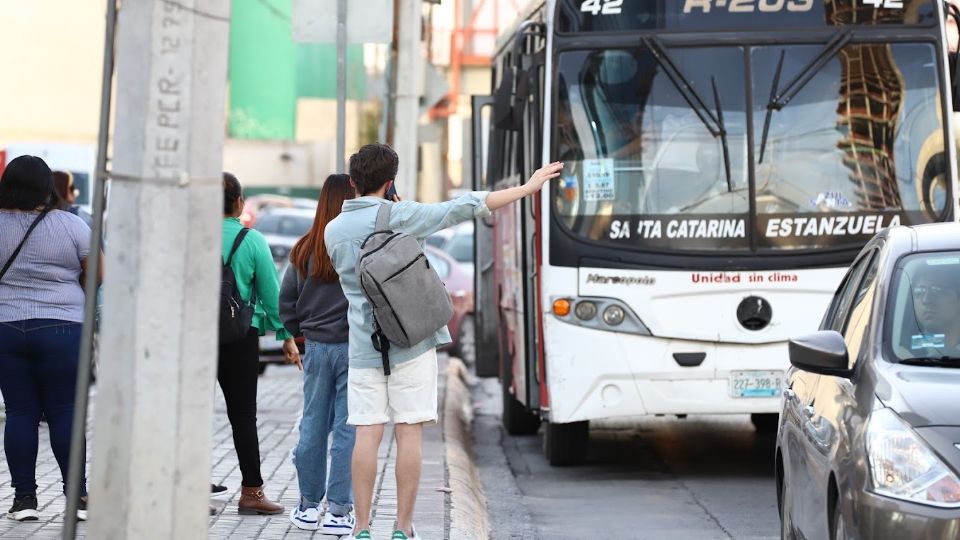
{"x":458,"y":279}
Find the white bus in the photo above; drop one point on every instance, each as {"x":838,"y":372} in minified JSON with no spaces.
{"x":724,"y":160}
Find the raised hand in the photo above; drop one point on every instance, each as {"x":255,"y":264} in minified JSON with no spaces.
{"x":542,"y":175}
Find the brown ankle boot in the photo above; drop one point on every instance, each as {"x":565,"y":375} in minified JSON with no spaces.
{"x":253,"y":501}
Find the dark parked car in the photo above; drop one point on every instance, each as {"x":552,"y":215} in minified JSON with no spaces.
{"x":869,"y":438}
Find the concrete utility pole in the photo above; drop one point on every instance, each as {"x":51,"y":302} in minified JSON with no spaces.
{"x":154,"y":408}
{"x":409,"y":76}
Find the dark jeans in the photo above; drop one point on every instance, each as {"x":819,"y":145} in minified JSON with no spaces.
{"x":237,"y":373}
{"x":38,"y":375}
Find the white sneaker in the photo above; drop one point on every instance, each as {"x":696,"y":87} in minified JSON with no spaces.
{"x":307,"y":519}
{"x":338,"y":525}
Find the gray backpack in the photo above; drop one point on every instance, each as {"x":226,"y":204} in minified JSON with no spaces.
{"x":408,"y":299}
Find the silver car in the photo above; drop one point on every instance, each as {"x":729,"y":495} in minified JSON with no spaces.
{"x":282,"y":228}
{"x":869,"y":439}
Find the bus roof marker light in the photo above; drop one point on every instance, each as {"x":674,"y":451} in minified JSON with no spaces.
{"x":613,"y":315}
{"x":586,"y":310}
{"x":561,"y":307}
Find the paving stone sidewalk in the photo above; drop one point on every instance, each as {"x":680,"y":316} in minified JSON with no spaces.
{"x":279,"y":406}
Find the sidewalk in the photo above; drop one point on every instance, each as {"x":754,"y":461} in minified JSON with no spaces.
{"x":279,"y":404}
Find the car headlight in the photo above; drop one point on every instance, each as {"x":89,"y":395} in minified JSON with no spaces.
{"x":902,"y":466}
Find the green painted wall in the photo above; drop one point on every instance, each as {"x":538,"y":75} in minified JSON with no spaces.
{"x":317,"y":71}
{"x":263,"y":83}
{"x":269,"y":72}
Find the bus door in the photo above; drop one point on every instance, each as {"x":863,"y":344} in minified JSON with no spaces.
{"x":484,"y":279}
{"x":506,"y":293}
{"x":532,"y":65}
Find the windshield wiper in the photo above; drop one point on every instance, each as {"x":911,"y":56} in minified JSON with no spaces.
{"x":723,"y":132}
{"x":940,"y":361}
{"x":780,"y":98}
{"x":713,"y":123}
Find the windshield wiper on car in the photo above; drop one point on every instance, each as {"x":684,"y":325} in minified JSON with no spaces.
{"x":713,"y":122}
{"x":939,"y":361}
{"x":780,"y":98}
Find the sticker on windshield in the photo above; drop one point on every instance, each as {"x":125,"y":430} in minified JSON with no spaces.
{"x":598,"y":181}
{"x":921,"y":341}
{"x":830,"y":199}
{"x":943,"y":261}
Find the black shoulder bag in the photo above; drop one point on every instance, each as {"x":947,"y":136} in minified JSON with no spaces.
{"x":16,"y":252}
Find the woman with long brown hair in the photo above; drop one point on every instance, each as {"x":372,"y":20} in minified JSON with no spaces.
{"x":312,"y":304}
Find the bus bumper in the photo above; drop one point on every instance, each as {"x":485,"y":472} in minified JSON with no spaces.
{"x":593,"y":374}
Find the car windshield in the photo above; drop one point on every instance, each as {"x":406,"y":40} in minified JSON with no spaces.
{"x":854,"y":148}
{"x":460,"y":247}
{"x":284,"y":225}
{"x":925,"y":326}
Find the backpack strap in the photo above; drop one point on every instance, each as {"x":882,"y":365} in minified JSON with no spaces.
{"x":382,"y":345}
{"x":383,"y":218}
{"x":16,"y":252}
{"x":236,"y":245}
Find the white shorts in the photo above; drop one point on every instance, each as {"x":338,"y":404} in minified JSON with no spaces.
{"x":407,"y":396}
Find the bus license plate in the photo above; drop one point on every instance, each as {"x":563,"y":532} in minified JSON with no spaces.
{"x":751,"y":384}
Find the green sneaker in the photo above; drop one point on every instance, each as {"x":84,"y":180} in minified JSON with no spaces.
{"x":400,"y":535}
{"x":362,"y":535}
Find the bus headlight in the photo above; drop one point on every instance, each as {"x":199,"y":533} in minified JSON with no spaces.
{"x":613,"y":315}
{"x":598,"y":313}
{"x":586,"y":310}
{"x":902,"y":466}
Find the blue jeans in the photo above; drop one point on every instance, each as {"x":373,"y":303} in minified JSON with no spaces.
{"x":325,"y":412}
{"x":38,"y":376}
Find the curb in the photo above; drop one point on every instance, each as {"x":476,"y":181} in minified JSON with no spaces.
{"x":468,"y":505}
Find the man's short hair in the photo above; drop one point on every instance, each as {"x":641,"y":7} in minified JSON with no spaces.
{"x":373,"y":166}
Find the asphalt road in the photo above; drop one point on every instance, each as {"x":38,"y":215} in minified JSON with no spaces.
{"x":659,"y":478}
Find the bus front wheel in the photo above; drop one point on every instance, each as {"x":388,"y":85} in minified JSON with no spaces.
{"x":765,"y":422}
{"x":566,"y":444}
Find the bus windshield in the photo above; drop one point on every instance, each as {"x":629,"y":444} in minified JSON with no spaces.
{"x":855,"y":146}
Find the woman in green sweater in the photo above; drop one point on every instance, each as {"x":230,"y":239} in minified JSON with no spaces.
{"x":239,"y":361}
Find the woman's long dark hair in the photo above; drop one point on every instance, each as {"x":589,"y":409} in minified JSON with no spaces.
{"x":232,"y":190}
{"x":336,"y":189}
{"x":27,"y":184}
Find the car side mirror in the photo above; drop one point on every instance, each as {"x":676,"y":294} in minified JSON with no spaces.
{"x":824,"y":352}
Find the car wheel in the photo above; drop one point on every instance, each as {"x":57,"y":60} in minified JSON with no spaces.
{"x":467,"y":341}
{"x":786,"y":523}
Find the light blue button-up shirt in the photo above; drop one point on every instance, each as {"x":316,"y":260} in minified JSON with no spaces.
{"x":343,"y":237}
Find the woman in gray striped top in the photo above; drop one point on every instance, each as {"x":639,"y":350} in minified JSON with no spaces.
{"x":43,"y":252}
